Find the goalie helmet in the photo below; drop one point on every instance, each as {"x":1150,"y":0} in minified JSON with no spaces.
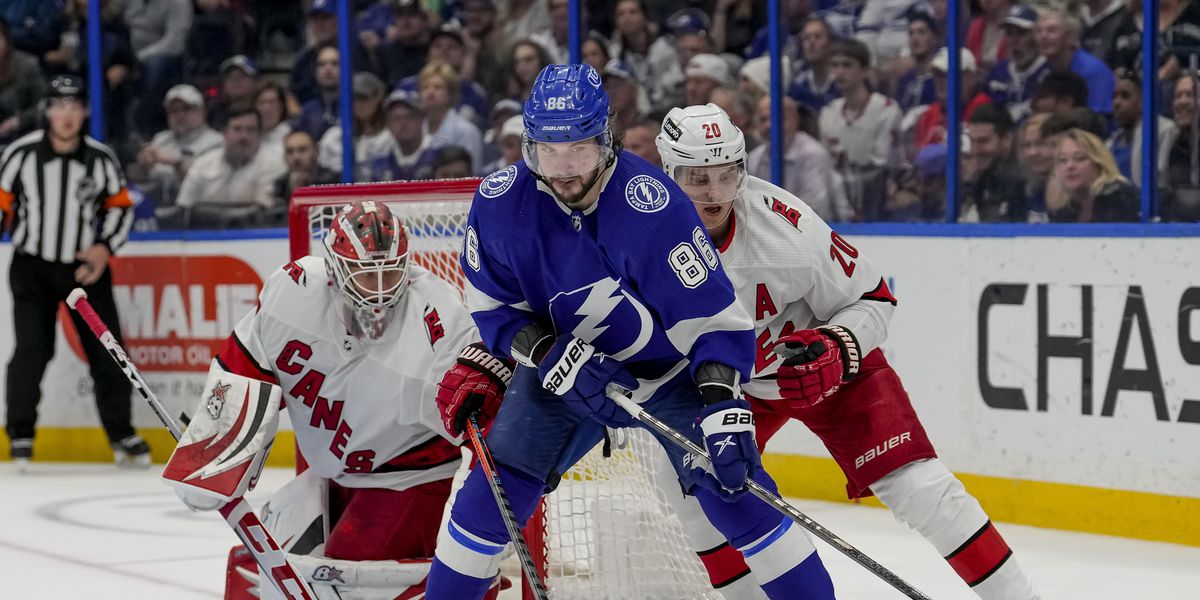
{"x":367,"y":258}
{"x":705,"y":153}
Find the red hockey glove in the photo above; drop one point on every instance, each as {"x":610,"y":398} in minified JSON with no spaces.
{"x":816,"y":363}
{"x":475,"y":384}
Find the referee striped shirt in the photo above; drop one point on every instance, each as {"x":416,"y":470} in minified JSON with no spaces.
{"x":57,"y":205}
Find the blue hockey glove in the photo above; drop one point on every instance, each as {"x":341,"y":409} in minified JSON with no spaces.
{"x":728,"y":430}
{"x":576,"y":372}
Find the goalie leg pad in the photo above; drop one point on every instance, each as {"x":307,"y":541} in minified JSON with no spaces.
{"x":298,"y":513}
{"x":333,"y":579}
{"x":927,"y":497}
{"x":221,"y":453}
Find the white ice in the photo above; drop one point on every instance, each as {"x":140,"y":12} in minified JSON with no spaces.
{"x":91,"y":531}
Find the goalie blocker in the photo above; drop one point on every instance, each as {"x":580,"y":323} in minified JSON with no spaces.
{"x":224,"y":447}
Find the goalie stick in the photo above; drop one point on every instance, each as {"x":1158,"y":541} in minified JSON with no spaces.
{"x":510,"y":520}
{"x":272,"y":562}
{"x":702,"y":459}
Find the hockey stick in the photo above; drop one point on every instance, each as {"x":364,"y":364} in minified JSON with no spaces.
{"x":272,"y":562}
{"x":762,"y":493}
{"x":510,"y":520}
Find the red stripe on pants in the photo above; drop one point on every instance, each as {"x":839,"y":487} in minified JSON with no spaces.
{"x":724,"y":565}
{"x":980,"y":556}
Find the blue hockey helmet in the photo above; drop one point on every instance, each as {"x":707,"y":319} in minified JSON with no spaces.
{"x":567,"y":104}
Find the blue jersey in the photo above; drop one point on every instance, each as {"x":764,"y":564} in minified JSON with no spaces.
{"x":1013,"y":89}
{"x":635,"y":275}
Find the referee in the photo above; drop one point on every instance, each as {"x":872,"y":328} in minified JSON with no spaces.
{"x":63,"y":199}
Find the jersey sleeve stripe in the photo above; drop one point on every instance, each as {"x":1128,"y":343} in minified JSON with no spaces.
{"x":480,"y":301}
{"x":236,"y":359}
{"x":881,"y":293}
{"x":683,"y":335}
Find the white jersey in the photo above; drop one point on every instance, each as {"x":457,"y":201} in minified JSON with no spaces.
{"x":792,"y":272}
{"x":365,"y":415}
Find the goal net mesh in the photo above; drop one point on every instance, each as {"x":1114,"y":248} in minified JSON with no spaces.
{"x":607,"y":531}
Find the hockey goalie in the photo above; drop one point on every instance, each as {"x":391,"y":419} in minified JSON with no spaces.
{"x":353,"y":345}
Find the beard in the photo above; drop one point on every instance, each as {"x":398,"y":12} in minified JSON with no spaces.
{"x":570,"y":193}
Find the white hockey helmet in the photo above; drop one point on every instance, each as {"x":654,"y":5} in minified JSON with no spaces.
{"x":699,"y":136}
{"x":366,"y":254}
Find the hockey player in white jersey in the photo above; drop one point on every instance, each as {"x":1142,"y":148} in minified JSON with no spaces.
{"x":821,"y":311}
{"x":354,"y":343}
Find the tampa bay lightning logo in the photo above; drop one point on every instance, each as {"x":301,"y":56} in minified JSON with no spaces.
{"x":646,"y":194}
{"x":606,"y":316}
{"x":593,"y":77}
{"x":497,"y":183}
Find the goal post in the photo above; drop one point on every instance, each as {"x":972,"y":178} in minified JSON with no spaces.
{"x":607,"y":530}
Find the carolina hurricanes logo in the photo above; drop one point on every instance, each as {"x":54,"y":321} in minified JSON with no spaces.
{"x":606,"y":316}
{"x":327,"y":573}
{"x":216,"y":400}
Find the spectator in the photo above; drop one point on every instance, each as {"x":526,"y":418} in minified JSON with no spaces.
{"x":1059,"y":92}
{"x":481,"y":33}
{"x":233,"y":185}
{"x":117,"y":60}
{"x":992,"y":186}
{"x":1182,"y":200}
{"x":1080,"y":117}
{"x":509,"y":141}
{"x":220,"y":29}
{"x":526,"y":60}
{"x":594,"y":51}
{"x":859,"y":129}
{"x":808,"y":169}
{"x":1089,"y":189}
{"x":162,"y":164}
{"x":812,"y":86}
{"x":1126,"y":142}
{"x":636,"y":42}
{"x":1012,"y":82}
{"x":439,"y":90}
{"x":407,"y":47}
{"x":303,"y":168}
{"x":412,"y":151}
{"x":915,"y":87}
{"x":453,"y":162}
{"x":522,"y":18}
{"x":930,"y":127}
{"x":239,"y":84}
{"x":1104,"y":22}
{"x":627,"y":99}
{"x":795,"y":12}
{"x":35,"y":26}
{"x":322,"y":29}
{"x":500,"y":113}
{"x":733,"y":25}
{"x":158,"y":31}
{"x":703,"y":74}
{"x":447,"y":46}
{"x":1057,"y":35}
{"x":1037,"y":162}
{"x":639,"y":140}
{"x":369,"y":132}
{"x":1178,"y":38}
{"x":271,"y":104}
{"x":754,"y":78}
{"x":321,"y":113}
{"x":985,"y":34}
{"x":882,"y":25}
{"x":21,"y":84}
{"x":738,"y":107}
{"x":689,"y":30}
{"x":554,"y":38}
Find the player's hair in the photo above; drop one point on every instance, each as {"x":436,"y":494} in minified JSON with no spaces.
{"x":445,"y":72}
{"x":995,"y":115}
{"x":1062,"y":83}
{"x":854,"y":50}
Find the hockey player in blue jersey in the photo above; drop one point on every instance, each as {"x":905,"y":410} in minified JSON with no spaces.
{"x":589,"y":267}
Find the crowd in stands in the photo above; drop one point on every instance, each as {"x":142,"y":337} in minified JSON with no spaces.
{"x":220,"y":108}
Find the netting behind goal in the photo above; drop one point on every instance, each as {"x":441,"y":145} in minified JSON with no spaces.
{"x":607,"y":532}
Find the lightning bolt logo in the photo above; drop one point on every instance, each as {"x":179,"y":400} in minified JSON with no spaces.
{"x":599,"y":303}
{"x":722,"y":444}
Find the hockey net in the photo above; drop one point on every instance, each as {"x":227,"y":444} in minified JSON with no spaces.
{"x":607,"y":531}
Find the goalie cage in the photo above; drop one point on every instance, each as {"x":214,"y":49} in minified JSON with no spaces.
{"x":607,"y":531}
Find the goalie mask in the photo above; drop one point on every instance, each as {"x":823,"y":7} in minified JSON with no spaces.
{"x":705,"y":153}
{"x":367,"y":259}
